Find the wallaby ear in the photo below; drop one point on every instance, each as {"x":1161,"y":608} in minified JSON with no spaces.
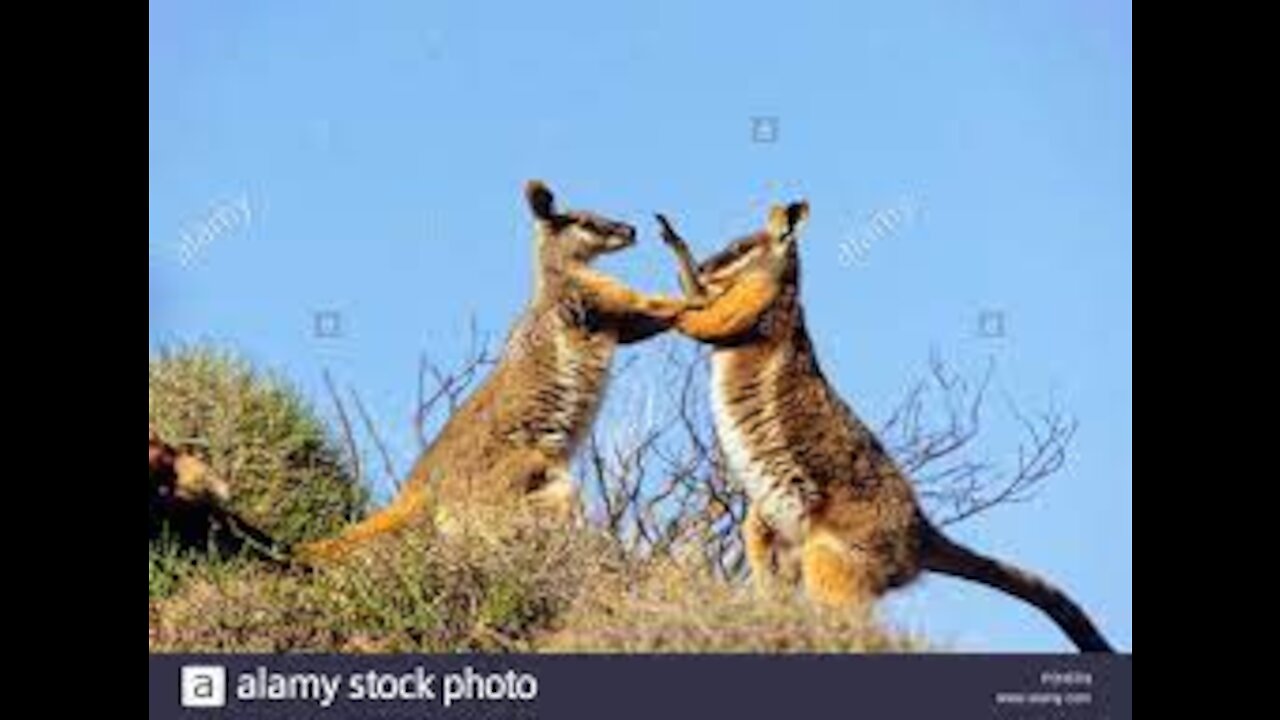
{"x":785,"y":222}
{"x":797,"y":215}
{"x":541,"y":202}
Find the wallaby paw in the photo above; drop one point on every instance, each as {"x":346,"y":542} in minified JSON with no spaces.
{"x":668,"y":234}
{"x":665,"y":308}
{"x":696,"y":303}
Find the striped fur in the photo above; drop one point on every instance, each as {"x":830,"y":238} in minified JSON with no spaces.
{"x":512,"y":440}
{"x":829,"y":508}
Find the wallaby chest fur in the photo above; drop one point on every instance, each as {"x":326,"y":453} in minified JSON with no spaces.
{"x":804,"y":459}
{"x":540,"y":400}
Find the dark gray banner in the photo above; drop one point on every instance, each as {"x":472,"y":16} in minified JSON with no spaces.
{"x":622,"y":687}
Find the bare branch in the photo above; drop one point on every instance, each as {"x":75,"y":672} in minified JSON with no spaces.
{"x":352,"y":448}
{"x":450,"y":387}
{"x":654,"y":478}
{"x":933,"y":432}
{"x":387,"y":466}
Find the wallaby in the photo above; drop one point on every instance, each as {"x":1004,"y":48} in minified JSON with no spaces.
{"x":187,"y":503}
{"x":514,"y":437}
{"x":829,"y":508}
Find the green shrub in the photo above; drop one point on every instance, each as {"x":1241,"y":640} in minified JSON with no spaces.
{"x":286,"y":475}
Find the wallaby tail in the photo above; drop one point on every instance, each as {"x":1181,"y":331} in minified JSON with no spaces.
{"x":409,"y":505}
{"x":941,"y":554}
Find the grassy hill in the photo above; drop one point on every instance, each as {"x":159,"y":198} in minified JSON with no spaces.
{"x":527,"y":587}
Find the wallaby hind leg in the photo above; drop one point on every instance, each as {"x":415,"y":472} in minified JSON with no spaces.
{"x":558,"y":498}
{"x":834,"y":574}
{"x":774,"y":571}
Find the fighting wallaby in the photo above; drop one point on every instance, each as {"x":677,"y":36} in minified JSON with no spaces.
{"x":513,"y":438}
{"x":829,"y":509}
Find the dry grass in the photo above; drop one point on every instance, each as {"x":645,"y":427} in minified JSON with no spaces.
{"x":672,"y":606}
{"x":468,"y":592}
{"x":532,"y":589}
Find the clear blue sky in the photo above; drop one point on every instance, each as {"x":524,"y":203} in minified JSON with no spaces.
{"x":379,"y":149}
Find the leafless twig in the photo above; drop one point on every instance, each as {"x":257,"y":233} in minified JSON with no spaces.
{"x":387,"y":465}
{"x":353,"y":449}
{"x":653,"y":476}
{"x":450,"y":386}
